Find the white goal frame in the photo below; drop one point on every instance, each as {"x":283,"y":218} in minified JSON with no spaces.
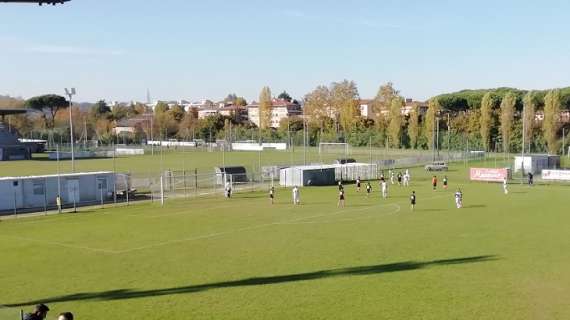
{"x":346,"y":146}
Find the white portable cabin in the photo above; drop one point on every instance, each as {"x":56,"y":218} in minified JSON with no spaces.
{"x":535,"y":163}
{"x":300,"y":176}
{"x":40,"y":192}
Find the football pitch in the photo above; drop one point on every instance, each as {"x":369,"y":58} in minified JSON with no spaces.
{"x":500,"y":257}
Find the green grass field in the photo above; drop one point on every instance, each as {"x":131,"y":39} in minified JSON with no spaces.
{"x":500,"y":257}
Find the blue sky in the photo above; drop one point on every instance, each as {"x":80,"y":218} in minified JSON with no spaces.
{"x":116,"y":49}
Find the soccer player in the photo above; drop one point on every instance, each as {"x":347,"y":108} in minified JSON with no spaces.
{"x":296,"y":196}
{"x":413,"y":200}
{"x":228,"y":190}
{"x":505,"y":185}
{"x":382,"y":175}
{"x":445,"y":182}
{"x":368,"y":189}
{"x":358,"y":184}
{"x":340,"y":186}
{"x":341,"y":198}
{"x":459,"y":199}
{"x":400,"y":179}
{"x":272,"y":194}
{"x":407,"y":179}
{"x":434,"y":182}
{"x":391,"y":176}
{"x":384,"y":189}
{"x":530,"y":179}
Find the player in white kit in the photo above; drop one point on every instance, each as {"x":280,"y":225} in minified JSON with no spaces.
{"x":296,"y":196}
{"x":384,"y":189}
{"x":505,"y":185}
{"x":459,"y":199}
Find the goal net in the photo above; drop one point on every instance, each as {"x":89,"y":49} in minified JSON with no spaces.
{"x":334,"y":148}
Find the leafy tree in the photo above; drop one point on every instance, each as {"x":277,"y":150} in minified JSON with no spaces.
{"x":240,"y":101}
{"x":48,"y":105}
{"x":285,"y":96}
{"x":414,"y":126}
{"x":231,"y":98}
{"x":265,"y":104}
{"x":551,"y":122}
{"x":395,"y":127}
{"x":433,"y":110}
{"x":101,"y":110}
{"x":161,"y":107}
{"x":344,"y":98}
{"x":177,"y":112}
{"x":187,"y":126}
{"x":383,"y":100}
{"x":486,"y":119}
{"x":529,"y":116}
{"x":507,"y":118}
{"x":317,"y":104}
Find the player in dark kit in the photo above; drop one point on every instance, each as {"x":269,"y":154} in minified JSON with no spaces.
{"x":368,"y":189}
{"x":530,"y":179}
{"x":400,"y":179}
{"x":341,"y":198}
{"x":340,"y":186}
{"x":413,"y":200}
{"x":358,"y":184}
{"x":445,"y":182}
{"x":272,"y":194}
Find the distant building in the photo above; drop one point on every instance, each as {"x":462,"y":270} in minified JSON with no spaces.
{"x":202,"y":104}
{"x":207,"y":112}
{"x":280,"y":109}
{"x":366,"y":108}
{"x":238,"y":113}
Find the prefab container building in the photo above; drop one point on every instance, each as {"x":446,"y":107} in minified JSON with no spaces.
{"x":237,"y":174}
{"x":40,"y":192}
{"x":353,"y":171}
{"x":308,"y":176}
{"x":535,"y":163}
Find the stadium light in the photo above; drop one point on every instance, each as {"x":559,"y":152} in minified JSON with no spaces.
{"x":70,"y":93}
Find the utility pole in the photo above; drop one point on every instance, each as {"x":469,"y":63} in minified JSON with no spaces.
{"x":523,"y":142}
{"x":70,"y":94}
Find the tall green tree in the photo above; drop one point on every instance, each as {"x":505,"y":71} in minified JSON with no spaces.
{"x":265,"y":104}
{"x":285,"y":96}
{"x":551,"y":122}
{"x":430,"y":121}
{"x":507,"y":119}
{"x":344,"y":98}
{"x":317,"y":106}
{"x":529,"y":114}
{"x":414,"y":126}
{"x":48,"y":106}
{"x":383,"y":100}
{"x":395,"y":127}
{"x":486,"y":119}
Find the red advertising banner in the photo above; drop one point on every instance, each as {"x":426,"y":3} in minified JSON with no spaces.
{"x":489,"y":174}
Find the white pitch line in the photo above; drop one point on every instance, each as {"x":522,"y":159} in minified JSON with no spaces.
{"x":207,"y":236}
{"x":59,"y":244}
{"x":398,"y":209}
{"x":188,"y":213}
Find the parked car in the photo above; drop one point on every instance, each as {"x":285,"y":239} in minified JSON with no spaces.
{"x":437,"y":166}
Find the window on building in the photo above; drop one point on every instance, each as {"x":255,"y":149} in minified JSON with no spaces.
{"x":38,"y":189}
{"x":101,"y":183}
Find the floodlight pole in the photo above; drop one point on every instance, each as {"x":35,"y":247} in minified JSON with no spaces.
{"x":70,"y":94}
{"x":523,"y":142}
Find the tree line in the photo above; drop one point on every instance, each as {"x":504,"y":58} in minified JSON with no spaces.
{"x":489,"y":120}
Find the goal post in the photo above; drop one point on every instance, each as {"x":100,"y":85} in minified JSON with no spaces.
{"x":334,"y":147}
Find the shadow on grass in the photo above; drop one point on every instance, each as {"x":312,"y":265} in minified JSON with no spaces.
{"x":475,"y":206}
{"x":121,"y":294}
